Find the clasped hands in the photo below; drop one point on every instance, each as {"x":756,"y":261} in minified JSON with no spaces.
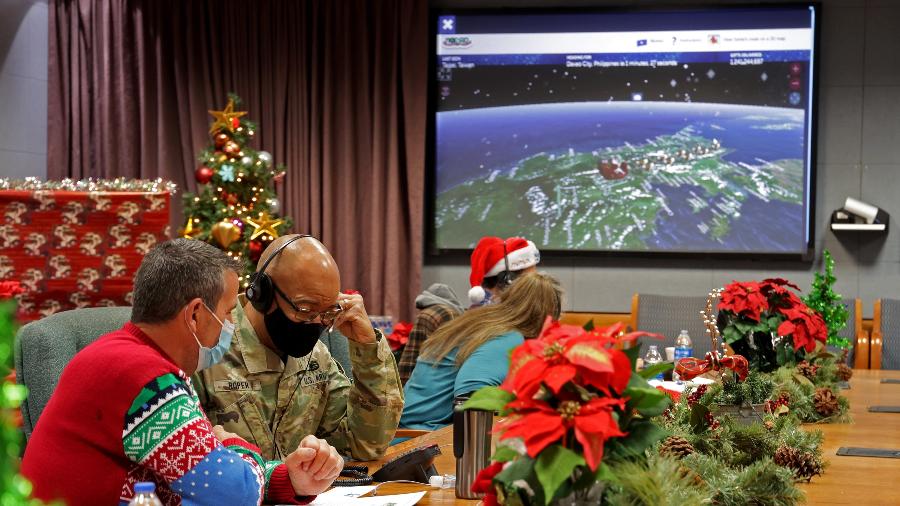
{"x":312,"y":467}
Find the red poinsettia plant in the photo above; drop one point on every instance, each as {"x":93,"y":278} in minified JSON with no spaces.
{"x":571,"y":398}
{"x":768,"y":323}
{"x":398,"y":338}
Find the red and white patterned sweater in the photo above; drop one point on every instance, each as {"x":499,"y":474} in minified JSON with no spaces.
{"x":123,"y":412}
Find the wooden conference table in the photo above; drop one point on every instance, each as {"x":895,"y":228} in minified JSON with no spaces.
{"x":861,"y":480}
{"x":847,"y":480}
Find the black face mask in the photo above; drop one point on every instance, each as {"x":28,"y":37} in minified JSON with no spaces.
{"x":296,"y":339}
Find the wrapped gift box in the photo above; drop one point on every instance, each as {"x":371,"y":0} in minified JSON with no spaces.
{"x":72,"y":249}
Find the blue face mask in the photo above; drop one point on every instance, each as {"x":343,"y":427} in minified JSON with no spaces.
{"x":208,"y":357}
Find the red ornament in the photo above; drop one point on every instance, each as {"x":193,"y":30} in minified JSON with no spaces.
{"x":231,"y":198}
{"x":232,"y":148}
{"x":203,"y":175}
{"x":221,"y":138}
{"x":256,"y":249}
{"x":235,"y":123}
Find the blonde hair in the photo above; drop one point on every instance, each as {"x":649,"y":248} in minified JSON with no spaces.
{"x":523,"y":307}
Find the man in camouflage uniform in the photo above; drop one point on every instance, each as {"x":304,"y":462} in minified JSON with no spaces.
{"x":272,"y":391}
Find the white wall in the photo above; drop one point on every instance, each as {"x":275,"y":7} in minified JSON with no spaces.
{"x":23,"y":88}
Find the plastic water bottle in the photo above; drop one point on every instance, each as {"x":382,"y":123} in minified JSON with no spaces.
{"x":652,"y":358}
{"x":145,"y":495}
{"x":684,"y":348}
{"x":442,"y":481}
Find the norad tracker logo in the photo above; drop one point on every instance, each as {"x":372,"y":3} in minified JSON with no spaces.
{"x":457,"y":42}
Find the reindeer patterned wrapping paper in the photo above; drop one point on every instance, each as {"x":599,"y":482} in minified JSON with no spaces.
{"x":73,"y":249}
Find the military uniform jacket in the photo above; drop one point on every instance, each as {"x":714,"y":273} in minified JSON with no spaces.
{"x":275,"y":404}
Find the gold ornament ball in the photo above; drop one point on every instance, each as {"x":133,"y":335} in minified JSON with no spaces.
{"x":225,"y":233}
{"x":232,"y":148}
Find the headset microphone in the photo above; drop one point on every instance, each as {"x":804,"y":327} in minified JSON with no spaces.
{"x":261,"y":292}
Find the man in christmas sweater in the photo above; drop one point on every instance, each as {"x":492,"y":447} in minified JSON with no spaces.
{"x":125,"y":410}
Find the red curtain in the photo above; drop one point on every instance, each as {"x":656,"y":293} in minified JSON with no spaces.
{"x":337,"y":88}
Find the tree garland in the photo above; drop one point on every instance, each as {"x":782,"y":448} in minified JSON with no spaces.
{"x":119,"y":184}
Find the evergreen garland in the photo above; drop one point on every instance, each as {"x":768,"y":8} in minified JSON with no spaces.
{"x":662,"y":481}
{"x":823,"y":299}
{"x":734,"y":462}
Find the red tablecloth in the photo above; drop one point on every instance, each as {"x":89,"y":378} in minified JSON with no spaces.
{"x":74,"y":249}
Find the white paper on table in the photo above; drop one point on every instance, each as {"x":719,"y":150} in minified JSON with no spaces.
{"x":350,"y":496}
{"x":341,"y":494}
{"x":389,"y":500}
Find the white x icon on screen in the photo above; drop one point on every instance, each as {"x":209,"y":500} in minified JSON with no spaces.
{"x":447,"y":24}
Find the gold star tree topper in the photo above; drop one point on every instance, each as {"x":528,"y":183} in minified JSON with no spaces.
{"x":224,"y":118}
{"x":264,"y":224}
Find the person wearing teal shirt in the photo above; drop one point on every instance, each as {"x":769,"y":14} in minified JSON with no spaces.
{"x":472,"y":351}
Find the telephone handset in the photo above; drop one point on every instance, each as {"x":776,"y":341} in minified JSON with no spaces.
{"x":413,"y":465}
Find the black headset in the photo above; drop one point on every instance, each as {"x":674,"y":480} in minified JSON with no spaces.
{"x":261,"y":292}
{"x":505,"y":278}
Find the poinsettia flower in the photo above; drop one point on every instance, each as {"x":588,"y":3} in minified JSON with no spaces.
{"x":780,"y":282}
{"x":483,"y":484}
{"x":778,"y":295}
{"x":564,"y":353}
{"x":804,"y":326}
{"x":744,"y":299}
{"x":539,"y":424}
{"x":400,"y":335}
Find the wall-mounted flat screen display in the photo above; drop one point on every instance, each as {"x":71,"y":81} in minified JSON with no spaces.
{"x":639,"y":131}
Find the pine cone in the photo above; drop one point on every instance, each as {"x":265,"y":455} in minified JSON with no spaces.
{"x":825,"y":401}
{"x":844,"y":372}
{"x":805,"y":465}
{"x":676,"y":446}
{"x":807,"y":369}
{"x":686,"y":472}
{"x":769,"y":424}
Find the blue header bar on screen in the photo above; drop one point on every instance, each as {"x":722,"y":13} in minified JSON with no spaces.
{"x":709,"y":19}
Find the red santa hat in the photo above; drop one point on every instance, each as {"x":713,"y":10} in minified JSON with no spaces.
{"x":487,"y":261}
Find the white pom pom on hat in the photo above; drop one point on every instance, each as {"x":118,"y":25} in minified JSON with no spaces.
{"x":477,"y":294}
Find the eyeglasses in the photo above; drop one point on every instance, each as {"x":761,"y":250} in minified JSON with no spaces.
{"x":327,"y":317}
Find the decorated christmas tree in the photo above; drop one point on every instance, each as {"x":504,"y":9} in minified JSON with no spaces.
{"x":827,"y":303}
{"x":236,"y":208}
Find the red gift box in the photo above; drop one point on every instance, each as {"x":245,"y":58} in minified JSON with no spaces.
{"x":73,"y":249}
